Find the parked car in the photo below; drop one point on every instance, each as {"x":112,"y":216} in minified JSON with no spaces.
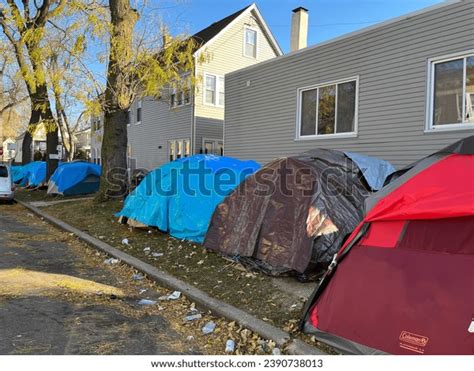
{"x":7,"y":188}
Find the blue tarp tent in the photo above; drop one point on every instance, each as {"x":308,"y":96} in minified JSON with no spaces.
{"x":32,"y":174}
{"x":180,"y":197}
{"x":75,"y":178}
{"x":18,"y":176}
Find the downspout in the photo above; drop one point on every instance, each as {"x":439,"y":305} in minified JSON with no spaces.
{"x":193,"y":111}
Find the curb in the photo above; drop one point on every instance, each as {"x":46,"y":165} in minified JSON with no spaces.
{"x":217,"y":307}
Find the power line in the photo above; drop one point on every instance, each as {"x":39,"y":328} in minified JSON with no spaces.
{"x":328,"y":24}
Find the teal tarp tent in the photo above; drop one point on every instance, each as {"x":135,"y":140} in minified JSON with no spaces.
{"x":180,"y":197}
{"x":75,"y":178}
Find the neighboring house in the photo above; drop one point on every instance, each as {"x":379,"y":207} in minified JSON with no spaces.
{"x":82,"y":142}
{"x":97,"y":132}
{"x":398,"y":90}
{"x":7,"y":150}
{"x":38,"y":145}
{"x":187,"y":122}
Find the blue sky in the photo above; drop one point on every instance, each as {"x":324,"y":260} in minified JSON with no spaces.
{"x":328,"y":18}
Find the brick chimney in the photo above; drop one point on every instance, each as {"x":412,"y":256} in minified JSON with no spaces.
{"x":299,"y":28}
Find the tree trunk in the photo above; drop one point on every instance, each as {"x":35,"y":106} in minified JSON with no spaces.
{"x":114,"y":180}
{"x":35,"y":118}
{"x":52,"y":141}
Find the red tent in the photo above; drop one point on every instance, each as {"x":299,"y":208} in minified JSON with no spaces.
{"x":403,"y":283}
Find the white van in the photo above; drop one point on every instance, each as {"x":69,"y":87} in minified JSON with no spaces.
{"x":7,"y":192}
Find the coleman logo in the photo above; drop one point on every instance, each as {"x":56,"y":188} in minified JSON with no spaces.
{"x":414,"y":339}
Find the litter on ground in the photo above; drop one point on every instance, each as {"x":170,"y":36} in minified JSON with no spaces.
{"x":230,"y":346}
{"x":111,"y":261}
{"x":208,"y":328}
{"x":146,"y":302}
{"x":173,"y":296}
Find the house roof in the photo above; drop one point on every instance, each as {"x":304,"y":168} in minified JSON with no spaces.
{"x":208,"y":33}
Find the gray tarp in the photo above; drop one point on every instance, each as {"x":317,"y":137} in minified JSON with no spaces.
{"x":375,"y":170}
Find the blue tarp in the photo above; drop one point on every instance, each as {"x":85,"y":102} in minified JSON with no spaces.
{"x":18,"y":176}
{"x":74,"y":178}
{"x":32,"y":174}
{"x":375,"y":170}
{"x":180,"y":197}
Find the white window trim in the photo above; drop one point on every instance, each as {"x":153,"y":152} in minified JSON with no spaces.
{"x":175,"y":92}
{"x":176,"y":148}
{"x":429,"y":127}
{"x":247,"y":27}
{"x":217,"y":91}
{"x":214,"y":141}
{"x":352,"y":134}
{"x":139,"y":105}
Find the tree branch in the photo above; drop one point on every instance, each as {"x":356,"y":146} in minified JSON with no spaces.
{"x":13,"y":104}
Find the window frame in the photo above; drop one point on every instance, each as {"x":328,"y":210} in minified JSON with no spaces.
{"x":216,"y":91}
{"x":139,"y":109}
{"x":180,"y":93}
{"x":432,"y":62}
{"x":299,"y":101}
{"x":247,"y":28}
{"x":215,"y":142}
{"x":183,"y":143}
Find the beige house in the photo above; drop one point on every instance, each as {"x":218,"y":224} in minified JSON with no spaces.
{"x":192,"y":121}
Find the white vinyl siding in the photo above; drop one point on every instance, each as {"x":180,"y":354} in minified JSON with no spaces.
{"x":451,"y":92}
{"x":328,"y":109}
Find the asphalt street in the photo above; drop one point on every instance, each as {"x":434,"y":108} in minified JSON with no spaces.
{"x":58,"y":297}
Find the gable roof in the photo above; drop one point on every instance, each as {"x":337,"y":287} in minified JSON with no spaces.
{"x":208,"y":34}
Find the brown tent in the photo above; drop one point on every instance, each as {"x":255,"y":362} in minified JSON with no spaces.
{"x":292,"y":215}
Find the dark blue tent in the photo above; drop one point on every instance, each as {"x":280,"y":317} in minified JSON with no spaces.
{"x":75,"y":178}
{"x":181,"y":196}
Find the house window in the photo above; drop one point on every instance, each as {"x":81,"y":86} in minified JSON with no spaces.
{"x":180,"y":96}
{"x":212,"y":146}
{"x":179,"y":148}
{"x":210,"y":92}
{"x":139,"y":112}
{"x":328,"y":109}
{"x":173,"y":98}
{"x":214,"y":92}
{"x":250,"y":43}
{"x":129,"y":117}
{"x":452,"y":93}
